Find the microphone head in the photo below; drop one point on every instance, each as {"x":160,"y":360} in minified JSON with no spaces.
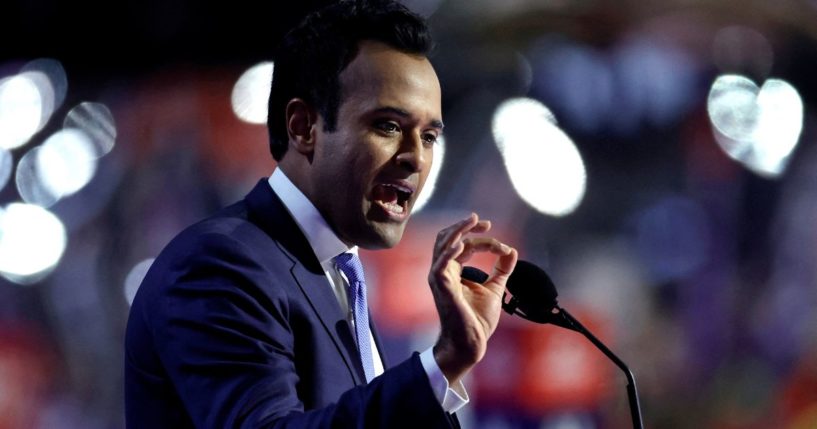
{"x":531,"y":284}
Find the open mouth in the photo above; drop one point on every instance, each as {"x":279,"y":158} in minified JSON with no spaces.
{"x":393,"y":197}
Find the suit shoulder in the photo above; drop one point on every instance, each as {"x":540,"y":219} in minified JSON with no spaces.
{"x":226,"y":242}
{"x":229,"y":229}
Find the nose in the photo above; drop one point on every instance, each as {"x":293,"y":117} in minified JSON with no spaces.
{"x":413,"y":156}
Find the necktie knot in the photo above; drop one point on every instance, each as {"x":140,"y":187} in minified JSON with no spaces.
{"x":350,"y":265}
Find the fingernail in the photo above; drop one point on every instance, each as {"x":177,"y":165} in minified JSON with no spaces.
{"x":506,"y":248}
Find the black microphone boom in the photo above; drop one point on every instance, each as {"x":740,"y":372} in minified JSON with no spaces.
{"x":533,"y":297}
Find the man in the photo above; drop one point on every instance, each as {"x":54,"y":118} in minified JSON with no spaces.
{"x":253,"y":317}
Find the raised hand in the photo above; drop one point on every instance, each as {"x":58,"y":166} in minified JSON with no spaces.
{"x":469,"y":312}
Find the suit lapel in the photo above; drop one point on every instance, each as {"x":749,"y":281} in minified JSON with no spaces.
{"x":268,"y":212}
{"x":325,"y":304}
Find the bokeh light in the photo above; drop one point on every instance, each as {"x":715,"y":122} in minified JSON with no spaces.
{"x":24,"y":107}
{"x":757,"y":127}
{"x":513,"y":116}
{"x":780,"y":126}
{"x":57,"y":79}
{"x":734,"y":112}
{"x":67,"y":161}
{"x":251,"y":93}
{"x":29,"y":184}
{"x":61,"y":166}
{"x":96,"y":121}
{"x":32,"y":241}
{"x":135,"y":277}
{"x":6,"y":166}
{"x":544,"y":165}
{"x":431,"y":181}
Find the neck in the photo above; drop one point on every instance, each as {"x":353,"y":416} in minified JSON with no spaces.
{"x":297,"y":175}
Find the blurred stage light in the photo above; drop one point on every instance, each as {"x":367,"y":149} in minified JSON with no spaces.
{"x":251,"y":93}
{"x":60,"y":167}
{"x":29,"y":184}
{"x":431,"y":181}
{"x":734,"y":112}
{"x":780,"y":127}
{"x":32,"y":241}
{"x":757,"y":127}
{"x":513,"y":117}
{"x":67,"y":161}
{"x":135,"y":277}
{"x":6,"y":166}
{"x":55,"y":72}
{"x":544,"y":165}
{"x":96,"y":121}
{"x":26,"y":103}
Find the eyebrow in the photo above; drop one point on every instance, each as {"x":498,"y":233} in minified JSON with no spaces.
{"x":436,"y":123}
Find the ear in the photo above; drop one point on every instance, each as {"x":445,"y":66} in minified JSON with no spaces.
{"x":301,"y":120}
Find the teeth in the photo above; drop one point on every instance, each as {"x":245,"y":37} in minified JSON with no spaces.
{"x":396,"y":208}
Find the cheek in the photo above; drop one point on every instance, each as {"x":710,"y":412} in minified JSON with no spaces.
{"x":373,"y":157}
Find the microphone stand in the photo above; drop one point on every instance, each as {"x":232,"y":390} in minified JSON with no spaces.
{"x":560,"y":317}
{"x":564,"y":319}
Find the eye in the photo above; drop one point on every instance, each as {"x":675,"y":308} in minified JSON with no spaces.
{"x":387,"y":127}
{"x":430,"y":138}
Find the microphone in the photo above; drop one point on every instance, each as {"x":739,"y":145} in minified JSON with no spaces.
{"x":531,"y":292}
{"x":531,"y":295}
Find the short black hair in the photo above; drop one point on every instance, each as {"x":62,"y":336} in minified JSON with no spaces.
{"x":311,"y":57}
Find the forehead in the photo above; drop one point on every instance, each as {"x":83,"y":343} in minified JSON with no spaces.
{"x":382,"y":76}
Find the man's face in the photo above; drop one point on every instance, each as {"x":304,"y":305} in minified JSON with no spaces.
{"x":369,"y":171}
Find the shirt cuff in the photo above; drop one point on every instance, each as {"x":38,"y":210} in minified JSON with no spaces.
{"x":451,"y":398}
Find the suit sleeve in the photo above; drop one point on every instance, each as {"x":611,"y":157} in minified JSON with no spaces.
{"x":227,"y":346}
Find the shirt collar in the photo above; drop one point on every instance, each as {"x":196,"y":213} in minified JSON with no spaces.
{"x":324,"y":242}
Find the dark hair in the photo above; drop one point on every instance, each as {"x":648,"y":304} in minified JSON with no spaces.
{"x":311,"y":57}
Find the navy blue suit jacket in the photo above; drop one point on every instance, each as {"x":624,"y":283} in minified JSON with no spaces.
{"x":235,"y":326}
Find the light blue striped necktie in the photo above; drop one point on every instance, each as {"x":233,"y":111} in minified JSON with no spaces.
{"x":350,"y":265}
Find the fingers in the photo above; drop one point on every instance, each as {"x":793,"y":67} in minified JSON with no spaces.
{"x":448,"y":237}
{"x":504,"y":267}
{"x":482,"y":244}
{"x":450,"y":246}
{"x":481,"y":226}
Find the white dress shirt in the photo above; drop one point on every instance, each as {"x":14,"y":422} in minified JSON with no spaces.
{"x":326,"y":246}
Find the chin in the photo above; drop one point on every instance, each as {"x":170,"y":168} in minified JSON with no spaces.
{"x":382,"y":237}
